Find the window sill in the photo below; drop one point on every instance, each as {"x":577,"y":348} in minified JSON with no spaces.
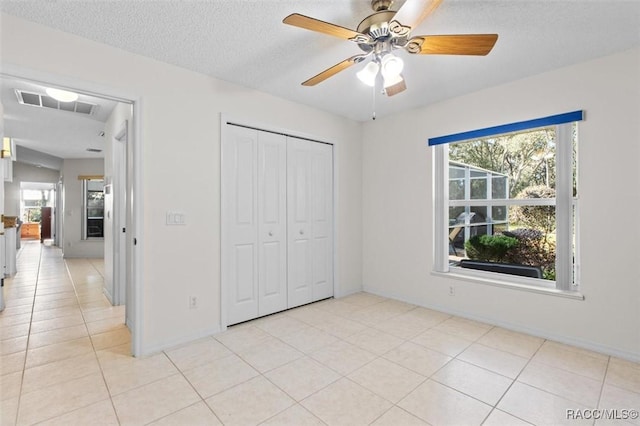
{"x":487,"y":279}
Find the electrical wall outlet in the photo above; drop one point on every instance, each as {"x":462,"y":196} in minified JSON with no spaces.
{"x":193,"y":302}
{"x":452,"y":290}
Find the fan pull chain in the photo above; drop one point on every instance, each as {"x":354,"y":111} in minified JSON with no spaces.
{"x":373,"y":107}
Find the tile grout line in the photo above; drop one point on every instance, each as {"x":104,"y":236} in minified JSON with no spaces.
{"x":26,"y":349}
{"x":95,"y":353}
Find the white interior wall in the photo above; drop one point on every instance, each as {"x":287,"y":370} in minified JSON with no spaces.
{"x":24,"y":173}
{"x":397,"y":171}
{"x":180,"y":132}
{"x":72,"y":243}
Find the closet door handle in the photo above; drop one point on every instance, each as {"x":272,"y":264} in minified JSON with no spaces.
{"x":270,"y":234}
{"x":302,"y":232}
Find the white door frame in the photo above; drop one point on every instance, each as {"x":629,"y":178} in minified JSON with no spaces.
{"x":119,"y":188}
{"x":135,"y":244}
{"x":227,"y":119}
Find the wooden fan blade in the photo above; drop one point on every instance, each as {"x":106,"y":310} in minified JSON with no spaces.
{"x":317,"y":25}
{"x":330,"y":72}
{"x":413,"y":12}
{"x":467,"y":44}
{"x":396,"y":88}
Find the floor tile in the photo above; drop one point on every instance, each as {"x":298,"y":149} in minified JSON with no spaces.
{"x":343,"y":357}
{"x":302,"y":377}
{"x":155,"y":400}
{"x":12,"y":362}
{"x":623,"y":374}
{"x":98,"y":414}
{"x":57,"y":372}
{"x":269,"y":354}
{"x":10,"y":385}
{"x":374,"y":341}
{"x":417,"y":358}
{"x":238,"y":339}
{"x":442,"y":342}
{"x":108,"y":324}
{"x":197,"y":353}
{"x":196,"y":414}
{"x":111,"y":338}
{"x":404,"y":326}
{"x":295,"y":415}
{"x":10,"y":346}
{"x":621,"y":399}
{"x":13,"y":331}
{"x":70,"y":320}
{"x":341,"y":327}
{"x":219,"y":375}
{"x":463,"y":328}
{"x":58,"y":335}
{"x":53,"y":401}
{"x":266,"y":401}
{"x":346,"y":403}
{"x":138,"y":372}
{"x":309,"y":339}
{"x":398,"y":417}
{"x":362,"y":299}
{"x":579,"y":361}
{"x":477,"y":382}
{"x":439,"y":405}
{"x":58,"y":351}
{"x":492,"y":359}
{"x":571,"y":386}
{"x":500,"y":418}
{"x":512,"y":342}
{"x":387,"y":379}
{"x":8,"y":411}
{"x":282,"y":325}
{"x":539,"y":407}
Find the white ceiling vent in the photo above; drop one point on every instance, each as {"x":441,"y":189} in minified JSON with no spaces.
{"x":44,"y":101}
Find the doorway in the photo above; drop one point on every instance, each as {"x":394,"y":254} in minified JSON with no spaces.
{"x":129,"y":215}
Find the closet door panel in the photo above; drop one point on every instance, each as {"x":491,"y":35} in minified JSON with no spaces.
{"x":300,"y":265}
{"x":322,"y":220}
{"x":240,"y":227}
{"x":272,"y":214}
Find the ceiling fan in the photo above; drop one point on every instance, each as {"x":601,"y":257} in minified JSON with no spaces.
{"x":384,"y":31}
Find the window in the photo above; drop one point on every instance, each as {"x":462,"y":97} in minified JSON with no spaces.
{"x":93,"y":209}
{"x":506,"y":202}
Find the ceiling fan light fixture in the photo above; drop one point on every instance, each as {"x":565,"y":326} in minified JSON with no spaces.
{"x":392,"y":80}
{"x":368,"y":74}
{"x":62,"y":95}
{"x":391,"y":66}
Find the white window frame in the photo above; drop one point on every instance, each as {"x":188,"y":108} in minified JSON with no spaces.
{"x":85,"y":207}
{"x":567,"y":261}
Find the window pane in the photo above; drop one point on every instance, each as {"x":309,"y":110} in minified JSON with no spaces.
{"x":499,"y":187}
{"x":456,"y":189}
{"x":478,"y":189}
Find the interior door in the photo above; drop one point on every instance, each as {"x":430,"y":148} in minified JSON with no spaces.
{"x":272,"y":224}
{"x":45,"y":223}
{"x":310,"y":223}
{"x":240,"y":223}
{"x":322,"y":220}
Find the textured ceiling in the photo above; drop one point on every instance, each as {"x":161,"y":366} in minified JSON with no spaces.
{"x":245,"y":42}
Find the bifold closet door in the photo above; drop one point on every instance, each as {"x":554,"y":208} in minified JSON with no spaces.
{"x":310,"y":221}
{"x":254,"y":223}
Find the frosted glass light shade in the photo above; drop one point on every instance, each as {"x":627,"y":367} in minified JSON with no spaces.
{"x":368,"y":74}
{"x":391,"y":66}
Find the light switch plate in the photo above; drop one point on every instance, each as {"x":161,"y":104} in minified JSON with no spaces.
{"x":176,"y":218}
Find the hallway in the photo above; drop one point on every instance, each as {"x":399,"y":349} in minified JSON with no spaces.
{"x":54,"y":330}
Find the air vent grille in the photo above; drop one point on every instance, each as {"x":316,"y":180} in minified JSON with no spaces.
{"x":44,"y":101}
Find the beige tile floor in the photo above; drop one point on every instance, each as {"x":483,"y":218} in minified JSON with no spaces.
{"x":358,"y":360}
